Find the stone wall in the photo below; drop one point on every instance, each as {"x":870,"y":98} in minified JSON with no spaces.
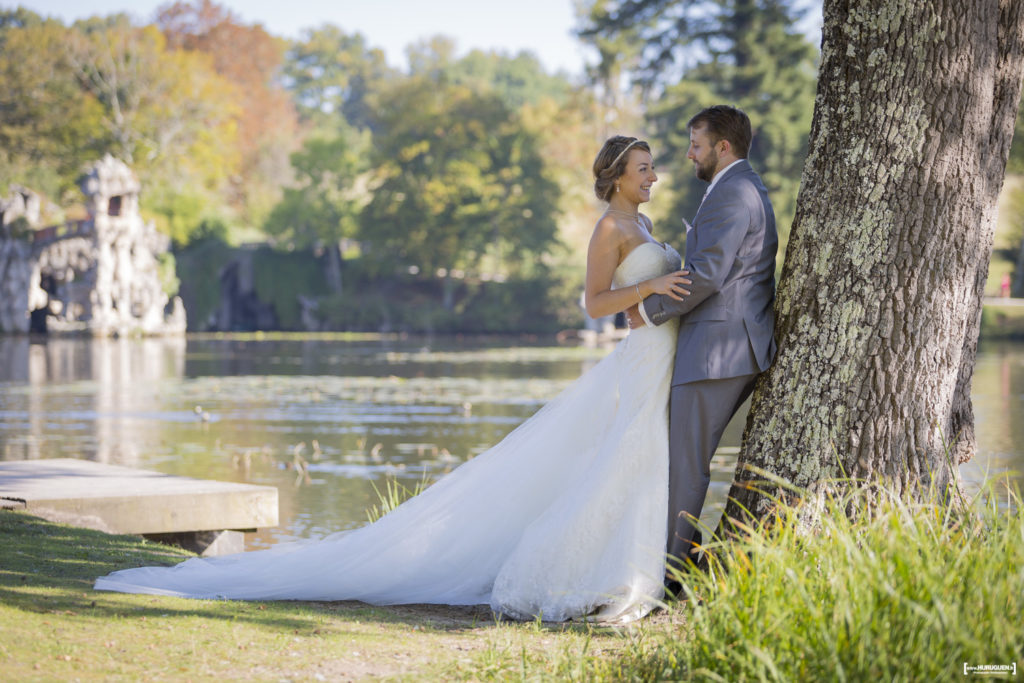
{"x":16,"y":269}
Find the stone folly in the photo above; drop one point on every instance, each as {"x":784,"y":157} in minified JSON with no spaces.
{"x":98,"y":276}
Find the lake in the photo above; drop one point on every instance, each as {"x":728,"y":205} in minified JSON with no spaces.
{"x":326,"y":419}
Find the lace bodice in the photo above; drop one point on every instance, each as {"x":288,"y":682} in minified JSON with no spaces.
{"x":647,"y":260}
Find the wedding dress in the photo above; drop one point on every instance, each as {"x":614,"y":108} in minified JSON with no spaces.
{"x":564,"y":518}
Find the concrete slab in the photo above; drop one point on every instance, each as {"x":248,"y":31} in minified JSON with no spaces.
{"x":125,"y":500}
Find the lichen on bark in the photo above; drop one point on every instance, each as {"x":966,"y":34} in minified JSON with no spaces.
{"x":879,"y":302}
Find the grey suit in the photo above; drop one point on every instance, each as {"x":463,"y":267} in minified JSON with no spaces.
{"x":726,"y":334}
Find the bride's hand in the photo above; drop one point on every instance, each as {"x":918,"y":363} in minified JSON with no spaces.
{"x":671,"y":284}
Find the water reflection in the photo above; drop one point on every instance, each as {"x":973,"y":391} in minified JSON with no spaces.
{"x":998,"y":398}
{"x":323,"y":420}
{"x":66,"y":398}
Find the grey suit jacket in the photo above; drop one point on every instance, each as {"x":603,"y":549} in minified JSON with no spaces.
{"x":727,"y":323}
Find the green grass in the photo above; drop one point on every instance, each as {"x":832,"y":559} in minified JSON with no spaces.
{"x":907,"y":592}
{"x":54,"y":627}
{"x":897,"y":591}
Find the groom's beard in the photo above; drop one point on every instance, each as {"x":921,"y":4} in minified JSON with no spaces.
{"x":706,"y":170}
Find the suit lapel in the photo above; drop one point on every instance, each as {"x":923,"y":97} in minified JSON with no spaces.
{"x":742,"y":167}
{"x":692,"y":233}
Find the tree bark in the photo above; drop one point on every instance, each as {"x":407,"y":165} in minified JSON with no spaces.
{"x":879,"y":303}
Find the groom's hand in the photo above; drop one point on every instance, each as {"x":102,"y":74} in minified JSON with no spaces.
{"x":633,"y":317}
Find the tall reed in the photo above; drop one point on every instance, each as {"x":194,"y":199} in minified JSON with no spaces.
{"x":393,"y":495}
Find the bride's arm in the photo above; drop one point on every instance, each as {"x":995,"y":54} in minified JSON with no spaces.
{"x":603,"y":259}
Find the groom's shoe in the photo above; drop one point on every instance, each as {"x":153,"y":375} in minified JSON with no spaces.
{"x":695,"y":560}
{"x":674,"y":587}
{"x":673,"y":590}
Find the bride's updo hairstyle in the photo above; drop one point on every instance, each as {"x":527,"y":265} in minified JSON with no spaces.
{"x":610,"y":163}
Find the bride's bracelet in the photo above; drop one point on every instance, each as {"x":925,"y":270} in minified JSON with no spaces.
{"x":640,"y":297}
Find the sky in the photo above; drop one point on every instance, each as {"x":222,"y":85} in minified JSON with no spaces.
{"x":543,"y":27}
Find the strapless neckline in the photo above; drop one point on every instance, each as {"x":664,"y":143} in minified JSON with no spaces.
{"x":635,"y":249}
{"x":654,"y":259}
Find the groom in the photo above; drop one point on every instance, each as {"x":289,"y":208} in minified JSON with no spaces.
{"x":726,"y":322}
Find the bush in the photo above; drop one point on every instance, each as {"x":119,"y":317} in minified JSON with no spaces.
{"x":280,"y":277}
{"x":368,"y":302}
{"x":406,"y":304}
{"x":198,"y":268}
{"x":386,"y":306}
{"x":518,"y":305}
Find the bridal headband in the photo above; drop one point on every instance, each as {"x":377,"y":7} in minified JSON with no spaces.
{"x":626,"y":149}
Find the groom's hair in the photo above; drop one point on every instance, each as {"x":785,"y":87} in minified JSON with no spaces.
{"x":723,"y":122}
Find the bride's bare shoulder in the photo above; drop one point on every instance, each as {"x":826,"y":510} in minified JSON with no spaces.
{"x":606,"y":231}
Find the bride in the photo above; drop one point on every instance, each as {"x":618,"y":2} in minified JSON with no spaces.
{"x":564,"y":518}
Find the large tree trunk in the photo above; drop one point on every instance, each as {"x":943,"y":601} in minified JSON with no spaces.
{"x":879,"y":301}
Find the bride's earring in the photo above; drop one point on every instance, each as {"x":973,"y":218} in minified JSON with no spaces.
{"x":617,"y":188}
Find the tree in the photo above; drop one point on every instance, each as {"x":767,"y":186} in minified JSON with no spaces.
{"x":167,"y":113}
{"x":461,"y":185}
{"x":747,"y":53}
{"x":879,"y":303}
{"x":619,"y":49}
{"x":251,"y":60}
{"x":158,"y":104}
{"x":331,"y":76}
{"x":519,"y":80}
{"x":48,"y":128}
{"x":331,"y":73}
{"x":322,"y":208}
{"x":104,"y":85}
{"x":561,"y":117}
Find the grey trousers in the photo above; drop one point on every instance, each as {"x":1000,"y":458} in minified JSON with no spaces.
{"x":698,"y":415}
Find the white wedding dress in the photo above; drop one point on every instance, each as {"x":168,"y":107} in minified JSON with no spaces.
{"x":564,"y":518}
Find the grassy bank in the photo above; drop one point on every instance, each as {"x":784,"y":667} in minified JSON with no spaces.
{"x":908,"y":592}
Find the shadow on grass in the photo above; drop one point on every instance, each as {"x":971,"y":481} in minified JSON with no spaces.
{"x":49,"y":568}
